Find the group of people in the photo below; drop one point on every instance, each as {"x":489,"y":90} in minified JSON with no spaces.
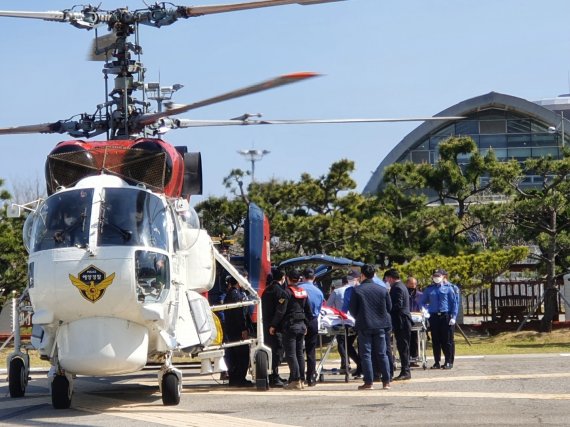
{"x":291,"y":305}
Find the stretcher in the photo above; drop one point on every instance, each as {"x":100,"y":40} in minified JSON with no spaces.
{"x":418,"y":341}
{"x":333,"y":323}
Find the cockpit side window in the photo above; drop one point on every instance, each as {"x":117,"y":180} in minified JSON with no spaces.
{"x":153,"y":276}
{"x":63,"y":221}
{"x":132,"y":217}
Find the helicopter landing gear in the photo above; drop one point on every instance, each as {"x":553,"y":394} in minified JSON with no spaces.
{"x":18,"y":370}
{"x":261,"y":370}
{"x":170,"y":383}
{"x":61,"y":391}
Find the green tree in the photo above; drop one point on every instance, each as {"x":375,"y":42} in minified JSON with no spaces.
{"x":470,"y":271}
{"x":541,"y":215}
{"x":13,"y":254}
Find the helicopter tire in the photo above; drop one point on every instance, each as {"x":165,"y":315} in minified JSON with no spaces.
{"x":170,"y":390}
{"x":261,"y":368}
{"x":60,"y":392}
{"x":17,"y":380}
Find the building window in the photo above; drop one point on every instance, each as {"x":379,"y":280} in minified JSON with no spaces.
{"x":492,"y":126}
{"x":495,"y":141}
{"x":518,"y":126}
{"x":418,"y":156}
{"x":466,"y":127}
{"x":545,"y":152}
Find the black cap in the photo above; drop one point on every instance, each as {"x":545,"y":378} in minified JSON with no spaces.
{"x":276,"y":274}
{"x":308,"y":273}
{"x":439,"y":272}
{"x":294,"y":275}
{"x":353,"y":274}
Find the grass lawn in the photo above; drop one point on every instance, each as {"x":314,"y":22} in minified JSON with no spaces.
{"x":525,"y":342}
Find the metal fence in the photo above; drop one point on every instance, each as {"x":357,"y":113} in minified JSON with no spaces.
{"x":488,"y":303}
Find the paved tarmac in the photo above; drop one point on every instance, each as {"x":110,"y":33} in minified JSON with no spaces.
{"x":491,"y":390}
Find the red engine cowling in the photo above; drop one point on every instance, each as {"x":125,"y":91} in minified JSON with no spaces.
{"x":152,"y":162}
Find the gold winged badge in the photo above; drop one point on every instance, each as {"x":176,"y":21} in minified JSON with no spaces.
{"x":92,"y":291}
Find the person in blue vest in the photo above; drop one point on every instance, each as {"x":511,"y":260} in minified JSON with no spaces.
{"x":316,"y":299}
{"x":439,"y":300}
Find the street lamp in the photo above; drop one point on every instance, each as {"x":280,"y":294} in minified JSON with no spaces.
{"x":253,"y":156}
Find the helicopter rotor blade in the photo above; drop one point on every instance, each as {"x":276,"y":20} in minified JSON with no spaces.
{"x":193,"y":11}
{"x":39,"y":128}
{"x":148,"y":119}
{"x":246,"y":121}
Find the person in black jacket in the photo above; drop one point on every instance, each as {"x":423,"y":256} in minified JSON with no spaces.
{"x":292,"y":318}
{"x":269,"y":303}
{"x":370,"y":305}
{"x":401,"y":321}
{"x":237,"y":327}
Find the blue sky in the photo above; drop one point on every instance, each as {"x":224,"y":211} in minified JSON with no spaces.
{"x":379,"y":58}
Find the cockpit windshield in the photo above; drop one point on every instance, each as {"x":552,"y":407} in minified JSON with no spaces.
{"x":63,"y":221}
{"x":132,"y":217}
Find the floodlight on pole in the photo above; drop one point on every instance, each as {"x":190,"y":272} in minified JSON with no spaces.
{"x":253,"y":156}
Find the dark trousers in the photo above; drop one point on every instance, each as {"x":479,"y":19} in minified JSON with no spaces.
{"x":452,"y":343}
{"x":238,"y":358}
{"x":403,"y":335}
{"x":275,"y":342}
{"x":414,"y":349}
{"x":350,"y":351}
{"x":311,"y":348}
{"x":293,"y":343}
{"x":439,"y":325}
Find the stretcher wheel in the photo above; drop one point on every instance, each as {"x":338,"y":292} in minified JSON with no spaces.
{"x":321,"y":378}
{"x":424,"y":365}
{"x":346,"y":377}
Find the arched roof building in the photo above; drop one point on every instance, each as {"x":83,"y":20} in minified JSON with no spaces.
{"x":513,"y":127}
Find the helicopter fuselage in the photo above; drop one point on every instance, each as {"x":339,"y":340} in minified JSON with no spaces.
{"x":115,"y":276}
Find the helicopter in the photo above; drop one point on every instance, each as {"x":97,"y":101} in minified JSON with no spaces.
{"x":118,"y":263}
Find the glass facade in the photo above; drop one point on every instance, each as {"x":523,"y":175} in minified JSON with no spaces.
{"x":509,"y":134}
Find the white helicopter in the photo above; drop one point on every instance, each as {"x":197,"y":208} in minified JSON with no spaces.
{"x":118,"y":263}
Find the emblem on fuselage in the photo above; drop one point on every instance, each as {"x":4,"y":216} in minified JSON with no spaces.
{"x":92,"y":283}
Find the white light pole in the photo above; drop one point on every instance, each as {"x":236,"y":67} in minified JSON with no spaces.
{"x":253,"y":156}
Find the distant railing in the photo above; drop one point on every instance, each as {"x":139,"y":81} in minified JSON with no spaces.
{"x":490,"y":303}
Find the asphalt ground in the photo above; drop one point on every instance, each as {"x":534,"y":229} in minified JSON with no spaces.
{"x":479,"y":390}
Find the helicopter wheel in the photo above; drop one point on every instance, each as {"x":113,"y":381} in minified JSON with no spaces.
{"x":261,"y":367}
{"x":171,"y":389}
{"x":18,"y":379}
{"x":60,"y":392}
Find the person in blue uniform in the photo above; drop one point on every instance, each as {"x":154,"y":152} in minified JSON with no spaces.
{"x":439,"y":300}
{"x":237,"y":327}
{"x":457,"y":294}
{"x":316,"y":299}
{"x":292,"y":318}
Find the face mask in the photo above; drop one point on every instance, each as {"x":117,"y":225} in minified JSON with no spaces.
{"x":68,"y":221}
{"x":437,"y":279}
